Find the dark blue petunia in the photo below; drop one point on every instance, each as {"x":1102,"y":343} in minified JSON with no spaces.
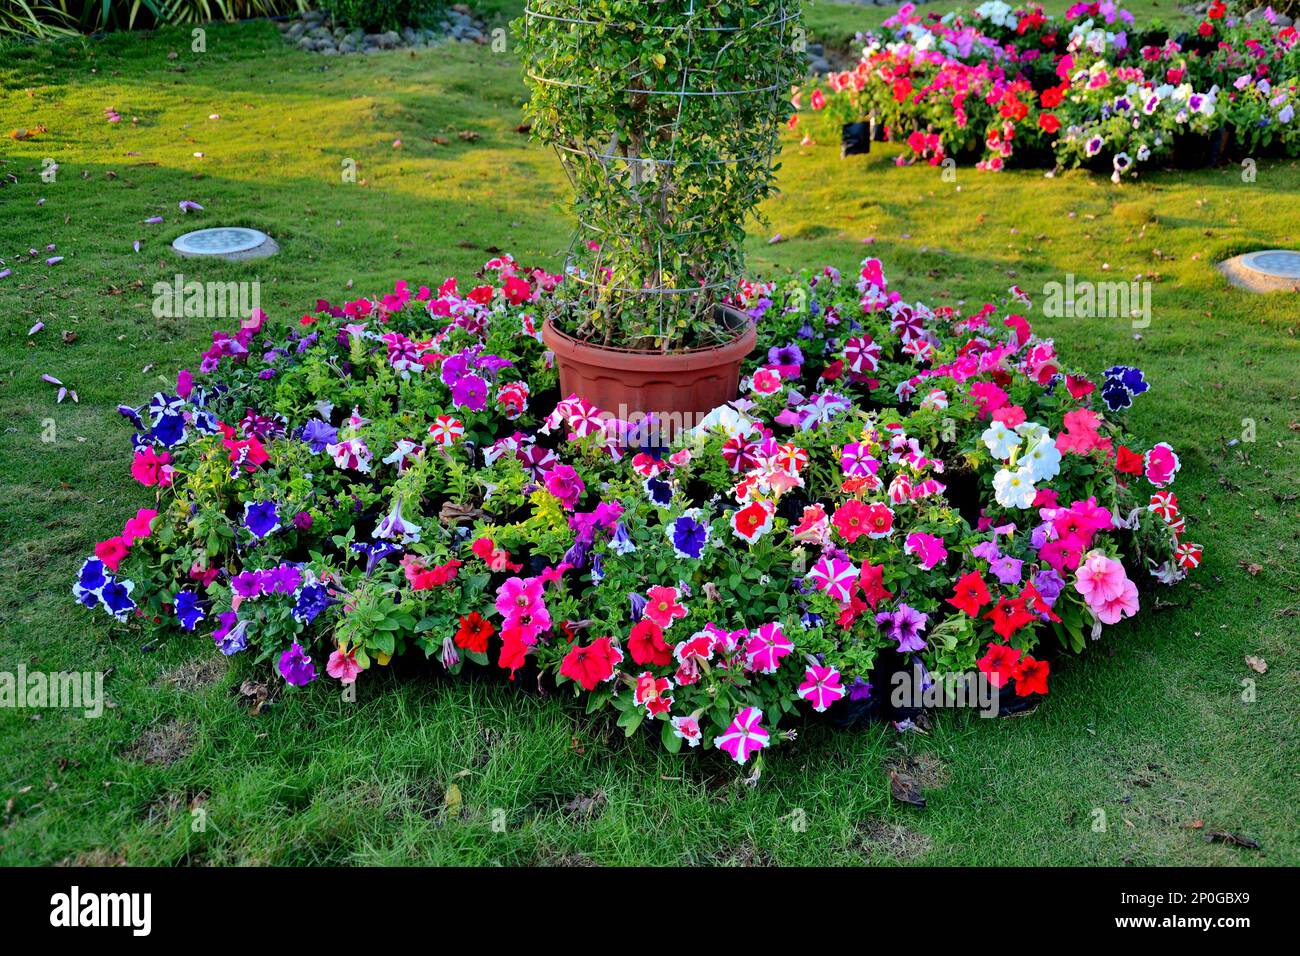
{"x":189,"y":609}
{"x":116,"y":596}
{"x":659,"y":492}
{"x":312,"y":599}
{"x":169,"y":430}
{"x":261,"y":518}
{"x":688,"y":537}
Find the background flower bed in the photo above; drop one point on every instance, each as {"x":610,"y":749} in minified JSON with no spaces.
{"x":1093,"y":87}
{"x":1152,"y":728}
{"x":897,"y":484}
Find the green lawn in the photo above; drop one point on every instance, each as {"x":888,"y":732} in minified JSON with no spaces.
{"x":1149,"y":726}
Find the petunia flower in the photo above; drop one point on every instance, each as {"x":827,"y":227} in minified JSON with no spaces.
{"x":766,"y":647}
{"x":688,"y":536}
{"x":905,"y":626}
{"x":971,"y":594}
{"x":927,"y":548}
{"x":189,"y":609}
{"x":662,"y":606}
{"x":591,"y":665}
{"x":647,"y":646}
{"x":1000,"y":664}
{"x":343,"y":666}
{"x":395,"y":526}
{"x":296,"y":667}
{"x":821,"y":687}
{"x":687,"y":728}
{"x":753,"y":521}
{"x":744,"y":736}
{"x":652,"y":693}
{"x":261,"y":518}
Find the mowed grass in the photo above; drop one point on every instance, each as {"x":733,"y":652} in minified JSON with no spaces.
{"x":1149,"y":727}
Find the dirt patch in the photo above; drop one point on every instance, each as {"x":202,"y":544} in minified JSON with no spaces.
{"x":97,"y":857}
{"x":746,"y":854}
{"x":548,"y":856}
{"x":893,"y":840}
{"x":586,"y":806}
{"x":925,"y":768}
{"x":163,"y":745}
{"x":196,"y":674}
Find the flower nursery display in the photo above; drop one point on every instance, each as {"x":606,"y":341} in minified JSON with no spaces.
{"x":998,"y":85}
{"x":898,"y":485}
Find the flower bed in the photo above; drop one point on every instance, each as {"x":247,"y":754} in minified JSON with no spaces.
{"x":398,"y":476}
{"x":999,"y":85}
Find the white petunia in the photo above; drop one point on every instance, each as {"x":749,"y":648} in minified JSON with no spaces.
{"x":1014,"y":489}
{"x":1042,"y":460}
{"x":1000,"y":441}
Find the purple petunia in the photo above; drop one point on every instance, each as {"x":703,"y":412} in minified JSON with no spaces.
{"x":785,"y":355}
{"x":470,"y":393}
{"x":318,"y":434}
{"x":905,"y":626}
{"x":296,"y":666}
{"x":1007,"y":569}
{"x":231,"y":635}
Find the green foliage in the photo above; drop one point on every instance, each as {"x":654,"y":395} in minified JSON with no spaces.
{"x":665,"y":115}
{"x":50,"y":19}
{"x":377,"y":16}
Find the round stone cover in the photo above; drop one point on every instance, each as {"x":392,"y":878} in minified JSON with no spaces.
{"x":226,"y":242}
{"x":1269,"y":270}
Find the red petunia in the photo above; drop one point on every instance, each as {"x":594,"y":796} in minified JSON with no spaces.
{"x":1009,"y":616}
{"x":850,"y":520}
{"x":1048,"y":122}
{"x":590,"y":665}
{"x":1000,"y":664}
{"x":1128,"y":462}
{"x":872,"y":581}
{"x":474,"y":632}
{"x":972,"y":594}
{"x":1032,"y":678}
{"x":513,"y":649}
{"x":647,"y":646}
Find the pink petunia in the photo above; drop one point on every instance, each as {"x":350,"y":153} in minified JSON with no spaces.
{"x":1161,"y":465}
{"x":1100,"y":579}
{"x":821,"y":687}
{"x":1123,"y":604}
{"x":744,"y":736}
{"x":835,"y":576}
{"x":343,"y":666}
{"x":928,"y":549}
{"x":662,"y":606}
{"x":138,"y":527}
{"x":766,"y":647}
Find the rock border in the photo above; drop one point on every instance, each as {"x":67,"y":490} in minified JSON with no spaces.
{"x":315,"y":32}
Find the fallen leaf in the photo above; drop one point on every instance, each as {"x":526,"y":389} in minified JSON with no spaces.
{"x":452,"y":800}
{"x":1257,"y":664}
{"x":904,"y":789}
{"x":1232,"y":839}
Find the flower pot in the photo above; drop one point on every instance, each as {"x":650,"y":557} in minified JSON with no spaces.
{"x":679,"y":387}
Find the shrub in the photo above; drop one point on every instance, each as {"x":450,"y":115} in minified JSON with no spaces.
{"x":666,"y":114}
{"x":378,"y":16}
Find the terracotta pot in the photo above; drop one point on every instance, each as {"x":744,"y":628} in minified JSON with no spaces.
{"x":623,"y":381}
